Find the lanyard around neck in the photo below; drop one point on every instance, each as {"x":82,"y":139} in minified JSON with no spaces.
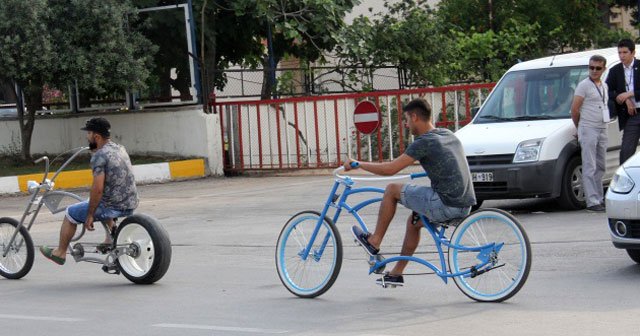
{"x":597,"y":89}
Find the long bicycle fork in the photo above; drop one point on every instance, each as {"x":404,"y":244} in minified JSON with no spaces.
{"x":330,"y":200}
{"x":35,"y":200}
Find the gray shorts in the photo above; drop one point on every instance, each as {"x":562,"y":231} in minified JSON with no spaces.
{"x":424,"y":200}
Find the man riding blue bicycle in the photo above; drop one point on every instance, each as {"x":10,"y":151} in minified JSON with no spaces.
{"x":450,"y":196}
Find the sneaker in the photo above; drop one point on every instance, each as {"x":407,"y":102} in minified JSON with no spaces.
{"x":389,"y":280}
{"x":596,"y":208}
{"x":361,"y":239}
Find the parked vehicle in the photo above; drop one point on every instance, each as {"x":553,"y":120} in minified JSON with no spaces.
{"x":8,"y":111}
{"x":522,"y":142}
{"x":622,"y":207}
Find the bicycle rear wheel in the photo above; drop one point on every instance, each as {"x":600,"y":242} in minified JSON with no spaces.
{"x":309,"y":275}
{"x":509,"y":264}
{"x":19,"y":259}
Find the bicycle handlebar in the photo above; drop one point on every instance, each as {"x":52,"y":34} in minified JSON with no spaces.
{"x":376,"y":177}
{"x":40,"y":159}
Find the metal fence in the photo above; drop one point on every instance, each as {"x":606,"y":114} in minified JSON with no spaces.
{"x":318,"y":131}
{"x":308,"y":81}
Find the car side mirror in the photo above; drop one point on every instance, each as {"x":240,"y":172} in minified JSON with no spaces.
{"x":474,"y":111}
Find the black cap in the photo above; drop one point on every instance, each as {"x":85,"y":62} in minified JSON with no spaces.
{"x":98,"y":125}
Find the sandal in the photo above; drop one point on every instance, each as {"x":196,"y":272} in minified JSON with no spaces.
{"x":48,"y":253}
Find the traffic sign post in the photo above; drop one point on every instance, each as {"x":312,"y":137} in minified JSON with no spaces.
{"x":366,"y":117}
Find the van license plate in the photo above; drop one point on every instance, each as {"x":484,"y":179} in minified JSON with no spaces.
{"x":482,"y":177}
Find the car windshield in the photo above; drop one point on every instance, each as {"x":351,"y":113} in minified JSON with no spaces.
{"x":535,"y":94}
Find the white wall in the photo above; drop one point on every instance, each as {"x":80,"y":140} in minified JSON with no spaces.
{"x":185,"y":131}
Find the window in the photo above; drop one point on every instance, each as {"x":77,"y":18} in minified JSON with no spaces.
{"x":533,"y":94}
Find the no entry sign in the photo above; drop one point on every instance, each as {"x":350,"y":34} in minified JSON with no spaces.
{"x":366,"y":117}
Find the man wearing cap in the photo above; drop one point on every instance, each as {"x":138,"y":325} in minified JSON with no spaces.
{"x":113,"y":192}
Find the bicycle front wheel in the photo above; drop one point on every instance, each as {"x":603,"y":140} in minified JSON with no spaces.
{"x":509,"y":260}
{"x":19,"y":258}
{"x":308,"y":274}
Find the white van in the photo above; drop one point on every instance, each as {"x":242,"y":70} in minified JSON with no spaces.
{"x":522,"y":142}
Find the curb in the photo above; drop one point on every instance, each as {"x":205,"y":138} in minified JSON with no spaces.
{"x":145,"y":173}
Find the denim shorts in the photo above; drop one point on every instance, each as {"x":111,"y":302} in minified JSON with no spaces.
{"x":424,"y":200}
{"x":77,"y":213}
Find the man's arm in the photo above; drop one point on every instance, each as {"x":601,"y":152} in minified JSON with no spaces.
{"x":612,"y":84}
{"x":95,"y":195}
{"x":383,"y":168}
{"x":575,"y":109}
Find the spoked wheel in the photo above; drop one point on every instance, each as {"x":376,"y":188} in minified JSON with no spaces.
{"x":308,"y":274}
{"x":149,"y":249}
{"x":509,"y":264}
{"x":19,"y":258}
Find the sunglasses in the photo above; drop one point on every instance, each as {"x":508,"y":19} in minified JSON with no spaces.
{"x":596,"y":68}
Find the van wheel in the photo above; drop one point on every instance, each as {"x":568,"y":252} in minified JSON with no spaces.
{"x":571,"y":192}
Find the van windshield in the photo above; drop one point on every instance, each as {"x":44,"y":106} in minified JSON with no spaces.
{"x":535,"y":94}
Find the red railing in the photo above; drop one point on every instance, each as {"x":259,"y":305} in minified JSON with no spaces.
{"x":318,"y":131}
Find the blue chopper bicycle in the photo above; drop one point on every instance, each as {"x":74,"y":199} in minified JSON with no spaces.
{"x":488,"y":255}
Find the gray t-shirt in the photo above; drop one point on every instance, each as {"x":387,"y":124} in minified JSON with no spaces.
{"x":120,"y":191}
{"x":595,"y":100}
{"x":441,"y":155}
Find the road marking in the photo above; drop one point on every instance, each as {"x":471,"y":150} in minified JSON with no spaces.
{"x":40,"y":318}
{"x":219,"y":328}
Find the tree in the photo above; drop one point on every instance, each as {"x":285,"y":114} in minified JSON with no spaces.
{"x":26,"y":57}
{"x":409,"y":35}
{"x":304,"y":29}
{"x":486,"y":56}
{"x":560,"y":34}
{"x":57,"y":42}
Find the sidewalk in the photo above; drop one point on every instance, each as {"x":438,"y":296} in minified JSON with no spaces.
{"x":145,"y":173}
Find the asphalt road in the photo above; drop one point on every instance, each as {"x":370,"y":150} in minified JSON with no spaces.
{"x":222,"y":279}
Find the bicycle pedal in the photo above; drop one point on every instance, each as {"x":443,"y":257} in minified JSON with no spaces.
{"x":111,"y":269}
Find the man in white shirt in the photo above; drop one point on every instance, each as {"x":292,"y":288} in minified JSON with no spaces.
{"x":590,"y":115}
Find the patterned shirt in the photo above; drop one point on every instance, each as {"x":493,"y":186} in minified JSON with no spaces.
{"x":441,"y":155}
{"x":120,"y":191}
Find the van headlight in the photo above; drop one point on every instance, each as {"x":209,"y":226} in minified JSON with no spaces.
{"x":621,"y":182}
{"x":528,"y":151}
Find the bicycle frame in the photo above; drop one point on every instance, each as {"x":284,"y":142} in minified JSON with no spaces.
{"x":339,"y":202}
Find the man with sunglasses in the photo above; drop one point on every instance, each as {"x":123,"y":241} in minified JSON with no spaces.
{"x":624,"y":93}
{"x":590,"y":115}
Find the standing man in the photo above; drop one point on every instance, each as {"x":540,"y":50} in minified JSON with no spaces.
{"x":450,"y":196}
{"x":624,"y":92}
{"x":590,"y":116}
{"x":113,"y":192}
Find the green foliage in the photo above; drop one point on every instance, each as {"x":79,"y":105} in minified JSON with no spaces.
{"x":568,"y":24}
{"x":408,"y":35}
{"x":485,"y":56}
{"x":58,"y":41}
{"x":25,"y":43}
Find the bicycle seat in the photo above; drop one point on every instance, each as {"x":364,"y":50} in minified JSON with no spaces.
{"x":450,"y":222}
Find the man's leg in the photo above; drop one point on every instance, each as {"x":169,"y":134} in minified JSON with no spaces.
{"x":409,"y":245}
{"x":385,"y":214}
{"x":66,"y":234}
{"x":109,"y":226}
{"x":630,"y":137}
{"x":601,"y":162}
{"x":588,"y":138}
